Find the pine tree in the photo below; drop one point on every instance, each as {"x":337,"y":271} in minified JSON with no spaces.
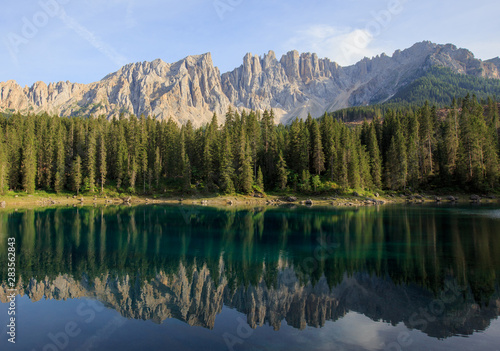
{"x":269,"y":152}
{"x":103,"y":171}
{"x":318,"y":157}
{"x":305,"y":184}
{"x":328,"y":135}
{"x":427,"y":141}
{"x":364,"y":166}
{"x":90,"y":160}
{"x":157,"y":167}
{"x":143,"y":152}
{"x":60,"y":161}
{"x":4,"y":165}
{"x":282,"y":172}
{"x":245,"y":169}
{"x":342,"y":159}
{"x":260,"y":180}
{"x":29,"y":157}
{"x":186,"y":176}
{"x":254,"y":137}
{"x":451,"y":145}
{"x":76,"y":174}
{"x":493,"y":119}
{"x":210,"y":151}
{"x":246,"y":174}
{"x":397,"y":166}
{"x":226,"y":165}
{"x":375,"y":158}
{"x":45,"y":131}
{"x":471,"y":165}
{"x":412,"y":147}
{"x":14,"y":139}
{"x":353,"y":168}
{"x":121,"y":166}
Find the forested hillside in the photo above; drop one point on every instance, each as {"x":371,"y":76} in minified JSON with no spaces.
{"x":407,"y":148}
{"x":439,"y":85}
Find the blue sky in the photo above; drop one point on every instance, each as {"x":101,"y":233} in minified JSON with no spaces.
{"x":82,"y":41}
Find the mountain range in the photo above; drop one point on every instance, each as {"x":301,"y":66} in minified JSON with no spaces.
{"x":293,"y":86}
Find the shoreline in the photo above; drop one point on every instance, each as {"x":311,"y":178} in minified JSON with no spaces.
{"x":36,"y":201}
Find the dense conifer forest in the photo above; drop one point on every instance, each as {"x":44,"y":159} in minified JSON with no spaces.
{"x":402,"y":148}
{"x":439,"y":85}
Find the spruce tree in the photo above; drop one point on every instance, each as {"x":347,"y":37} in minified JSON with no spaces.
{"x":260,"y":180}
{"x":29,"y":157}
{"x":450,"y":147}
{"x":375,"y":158}
{"x":143,"y":152}
{"x":60,"y":161}
{"x":4,"y":165}
{"x":397,"y":163}
{"x":305,"y":181}
{"x":412,"y":147}
{"x":246,"y":174}
{"x":14,"y":132}
{"x":342,"y":159}
{"x":245,"y":169}
{"x":226,"y":165}
{"x":157,"y":167}
{"x":427,"y":141}
{"x":90,"y":160}
{"x":318,"y":156}
{"x":76,"y":173}
{"x":210,"y":152}
{"x":103,"y":171}
{"x":316,"y":182}
{"x":122,"y":157}
{"x":328,"y":134}
{"x":186,"y":176}
{"x":364,"y":166}
{"x":353,"y":168}
{"x":282,"y":172}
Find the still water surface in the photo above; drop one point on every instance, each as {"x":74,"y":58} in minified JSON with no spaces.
{"x":198,"y":278}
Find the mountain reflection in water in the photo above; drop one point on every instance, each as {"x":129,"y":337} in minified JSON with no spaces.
{"x":435,"y":269}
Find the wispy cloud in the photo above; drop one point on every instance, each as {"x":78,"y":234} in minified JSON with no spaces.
{"x":95,"y":41}
{"x":342,"y":45}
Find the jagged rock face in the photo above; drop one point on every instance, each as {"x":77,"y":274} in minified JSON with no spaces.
{"x":187,"y":90}
{"x":495,"y":61}
{"x":193,"y":89}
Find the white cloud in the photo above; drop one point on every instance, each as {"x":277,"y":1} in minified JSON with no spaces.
{"x":342,"y":45}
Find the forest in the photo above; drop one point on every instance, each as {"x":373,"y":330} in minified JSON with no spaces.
{"x":399,"y":149}
{"x":439,"y":85}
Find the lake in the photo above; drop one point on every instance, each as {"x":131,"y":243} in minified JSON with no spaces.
{"x":406,"y":277}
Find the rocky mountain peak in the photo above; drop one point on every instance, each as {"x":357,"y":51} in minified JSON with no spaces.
{"x":193,"y":88}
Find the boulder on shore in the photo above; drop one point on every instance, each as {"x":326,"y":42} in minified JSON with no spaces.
{"x":475,"y":198}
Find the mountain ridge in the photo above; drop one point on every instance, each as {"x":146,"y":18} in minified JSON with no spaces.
{"x":192,"y":89}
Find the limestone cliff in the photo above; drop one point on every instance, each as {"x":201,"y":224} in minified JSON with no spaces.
{"x":193,"y":88}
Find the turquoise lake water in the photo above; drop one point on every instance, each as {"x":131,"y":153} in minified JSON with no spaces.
{"x":277,"y":278}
